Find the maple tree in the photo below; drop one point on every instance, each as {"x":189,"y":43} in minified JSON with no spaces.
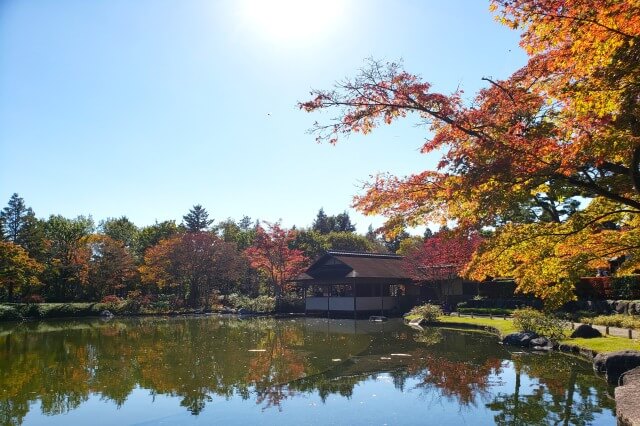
{"x":193,"y":265}
{"x":271,"y":255}
{"x":562,"y":129}
{"x":443,"y":256}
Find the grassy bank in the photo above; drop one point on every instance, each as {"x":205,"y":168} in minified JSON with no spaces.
{"x":20,"y":311}
{"x":598,"y":344}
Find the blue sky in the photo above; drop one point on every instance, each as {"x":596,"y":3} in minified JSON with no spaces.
{"x":145,"y":108}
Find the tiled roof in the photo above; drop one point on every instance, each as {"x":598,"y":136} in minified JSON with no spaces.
{"x":354,"y":264}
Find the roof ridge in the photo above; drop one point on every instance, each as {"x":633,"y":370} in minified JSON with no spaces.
{"x":364,"y":254}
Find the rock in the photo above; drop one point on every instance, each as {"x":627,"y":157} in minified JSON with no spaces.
{"x":522,"y":339}
{"x":622,"y":307}
{"x":541,"y":342}
{"x":614,"y":364}
{"x":106,"y":313}
{"x":586,"y":331}
{"x":627,"y":407}
{"x":631,"y":376}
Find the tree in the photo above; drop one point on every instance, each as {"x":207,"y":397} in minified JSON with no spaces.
{"x":442,"y":256}
{"x":343,"y":223}
{"x":245,"y":223}
{"x":20,"y":226}
{"x":197,"y":219}
{"x":67,"y":263}
{"x":193,"y":265}
{"x":151,"y":235}
{"x":322,"y":223}
{"x":270,"y":254}
{"x":239,"y":233}
{"x":311,"y":243}
{"x":112,"y":269}
{"x":120,"y":229}
{"x":394,"y":240}
{"x":17,"y":269}
{"x":325,"y":224}
{"x":14,"y":218}
{"x":371,"y":234}
{"x":349,"y":241}
{"x":563,"y":128}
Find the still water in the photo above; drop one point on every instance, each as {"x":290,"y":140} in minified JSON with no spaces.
{"x":221,"y":370}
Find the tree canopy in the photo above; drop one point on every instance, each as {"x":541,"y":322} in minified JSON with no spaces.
{"x":562,"y":131}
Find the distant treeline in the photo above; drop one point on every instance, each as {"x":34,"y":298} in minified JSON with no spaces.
{"x":191,"y":263}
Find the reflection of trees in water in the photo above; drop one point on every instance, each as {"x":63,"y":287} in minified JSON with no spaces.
{"x":463,"y":381}
{"x":63,"y":364}
{"x":193,"y":359}
{"x":565,"y":392}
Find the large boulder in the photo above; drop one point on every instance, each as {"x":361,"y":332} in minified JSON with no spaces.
{"x":614,"y":364}
{"x":522,"y":339}
{"x":586,"y":331}
{"x":627,"y":397}
{"x":631,"y":376}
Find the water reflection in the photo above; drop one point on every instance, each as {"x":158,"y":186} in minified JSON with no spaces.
{"x":283,"y":366}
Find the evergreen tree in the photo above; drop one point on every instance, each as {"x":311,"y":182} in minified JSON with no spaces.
{"x":371,"y":234}
{"x":14,"y":217}
{"x":343,"y":223}
{"x":322,"y":224}
{"x":197,"y":219}
{"x":20,"y":226}
{"x":245,"y":223}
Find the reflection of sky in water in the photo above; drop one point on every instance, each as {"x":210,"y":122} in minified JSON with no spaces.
{"x":443,"y":377}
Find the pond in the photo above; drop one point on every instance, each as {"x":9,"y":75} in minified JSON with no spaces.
{"x":226,"y":370}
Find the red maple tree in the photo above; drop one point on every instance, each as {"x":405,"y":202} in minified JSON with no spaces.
{"x":442,"y":256}
{"x":271,"y":255}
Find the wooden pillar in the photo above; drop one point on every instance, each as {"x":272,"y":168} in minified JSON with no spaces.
{"x":381,"y":301}
{"x":355,"y":305}
{"x":304,"y":293}
{"x":328,"y":300}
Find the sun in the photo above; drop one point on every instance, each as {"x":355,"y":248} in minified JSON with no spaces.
{"x":292,"y":21}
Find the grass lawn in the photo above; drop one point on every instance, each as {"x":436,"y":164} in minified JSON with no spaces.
{"x":598,"y":344}
{"x":502,"y":325}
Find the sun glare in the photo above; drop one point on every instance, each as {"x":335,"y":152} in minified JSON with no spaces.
{"x":293,"y":21}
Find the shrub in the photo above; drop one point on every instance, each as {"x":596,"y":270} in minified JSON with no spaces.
{"x":485,"y":311}
{"x":291,"y":302}
{"x":544,"y":324}
{"x":9,"y":313}
{"x":427,"y":312}
{"x":618,"y":320}
{"x":33,"y":298}
{"x":62,"y":310}
{"x":261,"y":304}
{"x":111,"y":299}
